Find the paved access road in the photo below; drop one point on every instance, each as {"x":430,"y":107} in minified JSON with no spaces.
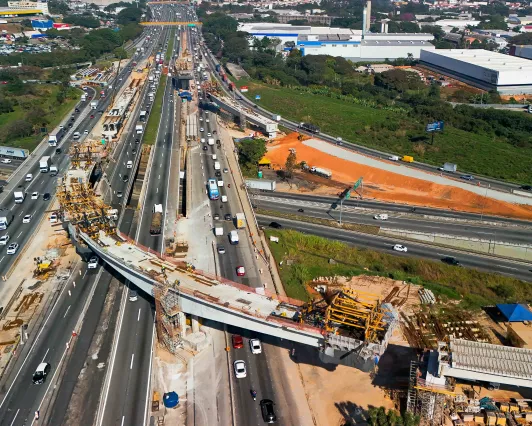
{"x":410,"y":222}
{"x":517,"y":270}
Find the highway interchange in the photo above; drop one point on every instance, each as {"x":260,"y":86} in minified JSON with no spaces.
{"x":124,"y":382}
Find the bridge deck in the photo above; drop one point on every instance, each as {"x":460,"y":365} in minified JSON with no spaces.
{"x":231,"y":295}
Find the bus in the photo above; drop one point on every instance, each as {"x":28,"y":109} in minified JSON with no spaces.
{"x":212,"y":186}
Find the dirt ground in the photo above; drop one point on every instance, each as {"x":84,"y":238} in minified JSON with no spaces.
{"x":383,"y":185}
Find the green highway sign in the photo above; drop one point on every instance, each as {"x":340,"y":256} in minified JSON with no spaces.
{"x":357,"y":184}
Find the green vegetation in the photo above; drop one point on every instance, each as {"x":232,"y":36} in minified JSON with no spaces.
{"x":378,"y":416}
{"x":395,"y":130}
{"x":311,"y":257}
{"x":250,"y":151}
{"x":26,"y":108}
{"x":150,"y":133}
{"x":170,"y":49}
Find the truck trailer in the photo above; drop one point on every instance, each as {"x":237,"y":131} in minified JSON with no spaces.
{"x":44,"y":164}
{"x":448,"y":167}
{"x":6,"y":217}
{"x":156,"y":219}
{"x":55,"y":137}
{"x":309,"y":127}
{"x":240,"y":220}
{"x":321,"y":172}
{"x":261,"y":184}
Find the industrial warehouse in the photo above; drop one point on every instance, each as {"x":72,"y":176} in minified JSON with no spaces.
{"x":509,"y":75}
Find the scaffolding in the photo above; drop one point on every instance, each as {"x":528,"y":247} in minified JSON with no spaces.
{"x":357,"y":313}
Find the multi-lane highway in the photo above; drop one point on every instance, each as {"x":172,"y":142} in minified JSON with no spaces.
{"x":509,"y":231}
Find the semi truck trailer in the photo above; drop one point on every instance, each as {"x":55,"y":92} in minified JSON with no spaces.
{"x":156,"y":219}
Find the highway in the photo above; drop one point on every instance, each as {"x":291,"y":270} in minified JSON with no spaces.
{"x":125,"y":396}
{"x":239,"y":97}
{"x":23,"y":398}
{"x":404,"y":221}
{"x":509,"y":268}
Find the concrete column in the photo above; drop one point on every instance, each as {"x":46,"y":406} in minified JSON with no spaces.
{"x":195,"y":323}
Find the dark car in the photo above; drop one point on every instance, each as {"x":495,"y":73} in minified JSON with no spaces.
{"x":92,"y":115}
{"x":137,"y":141}
{"x":467,"y":177}
{"x":77,"y":109}
{"x":228,"y":216}
{"x":276,"y":225}
{"x":451,"y":261}
{"x":527,"y":187}
{"x":218,"y":174}
{"x":125,"y":178}
{"x":238,"y":342}
{"x":58,"y":151}
{"x":133,"y":151}
{"x":205,"y":148}
{"x":46,"y":196}
{"x":40,"y":374}
{"x":268,"y":413}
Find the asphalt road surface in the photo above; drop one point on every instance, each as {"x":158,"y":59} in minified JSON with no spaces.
{"x":410,"y":222}
{"x":517,"y":270}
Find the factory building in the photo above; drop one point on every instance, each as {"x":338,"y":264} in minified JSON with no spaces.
{"x":355,"y":45}
{"x":509,"y":75}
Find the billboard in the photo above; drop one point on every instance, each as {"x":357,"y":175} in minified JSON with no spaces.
{"x":244,"y":89}
{"x":436,"y":126}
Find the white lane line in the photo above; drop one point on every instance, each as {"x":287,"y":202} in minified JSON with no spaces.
{"x":123,"y":418}
{"x":14,"y":418}
{"x":44,"y":357}
{"x":132,"y":358}
{"x":2,"y":259}
{"x":66,"y":311}
{"x":508,"y":267}
{"x":18,"y":236}
{"x":138,"y":317}
{"x":20,"y":214}
{"x":159,"y":177}
{"x":157,"y":190}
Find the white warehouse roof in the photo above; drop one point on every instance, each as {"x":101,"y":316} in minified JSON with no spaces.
{"x":482,"y":68}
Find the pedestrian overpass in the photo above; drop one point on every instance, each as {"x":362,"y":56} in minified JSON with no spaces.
{"x":170,"y":24}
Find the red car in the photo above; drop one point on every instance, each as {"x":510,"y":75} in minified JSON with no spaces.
{"x":238,"y":342}
{"x":240,"y":271}
{"x":92,"y":116}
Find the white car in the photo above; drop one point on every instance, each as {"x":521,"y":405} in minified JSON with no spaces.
{"x":399,"y":247}
{"x":240,"y":369}
{"x":207,"y":120}
{"x":85,"y":132}
{"x":129,"y":164}
{"x":6,"y":160}
{"x":93,"y":263}
{"x":34,"y":195}
{"x":255,"y":346}
{"x":201,"y":119}
{"x":12,"y":249}
{"x":4,"y":239}
{"x":201,"y":129}
{"x":209,"y":135}
{"x":29,"y":177}
{"x":53,"y":218}
{"x":26,"y":219}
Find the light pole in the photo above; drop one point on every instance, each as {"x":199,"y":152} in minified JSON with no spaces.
{"x":484,"y":203}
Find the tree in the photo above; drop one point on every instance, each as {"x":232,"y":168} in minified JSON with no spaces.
{"x":129,"y":15}
{"x":250,"y":152}
{"x":120,"y":53}
{"x":290,"y":164}
{"x":36,"y":117}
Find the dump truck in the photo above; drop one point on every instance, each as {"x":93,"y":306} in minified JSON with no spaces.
{"x":19,"y":194}
{"x":261,"y":184}
{"x":448,"y":167}
{"x":156,"y":219}
{"x":321,"y":172}
{"x":6,"y":217}
{"x":240,"y":220}
{"x":44,"y":164}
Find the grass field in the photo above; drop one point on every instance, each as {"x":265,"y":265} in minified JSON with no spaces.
{"x":311,"y":257}
{"x":170,"y":48}
{"x":397,"y":133}
{"x":150,"y":133}
{"x":55,"y":114}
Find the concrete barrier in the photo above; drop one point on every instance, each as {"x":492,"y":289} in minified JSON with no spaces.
{"x":496,"y":248}
{"x":523,"y":193}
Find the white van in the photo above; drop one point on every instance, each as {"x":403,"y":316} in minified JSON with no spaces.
{"x":216,"y":165}
{"x":224,"y":198}
{"x":393,"y":158}
{"x":220,"y":183}
{"x":233,"y":237}
{"x":214,"y":156}
{"x":202,"y":140}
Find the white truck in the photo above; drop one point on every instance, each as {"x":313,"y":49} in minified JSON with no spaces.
{"x":218,"y":231}
{"x":44,"y":164}
{"x":83,"y":97}
{"x":94,"y":104}
{"x":139,"y":129}
{"x":276,"y":117}
{"x":150,"y":78}
{"x":19,"y":194}
{"x":321,"y":172}
{"x":261,"y":184}
{"x":224,"y":198}
{"x":53,"y":170}
{"x":233,"y":237}
{"x":216,"y":165}
{"x":210,"y":141}
{"x":6,"y":217}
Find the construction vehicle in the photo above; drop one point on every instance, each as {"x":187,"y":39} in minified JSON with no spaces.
{"x":321,"y":172}
{"x":156,"y":219}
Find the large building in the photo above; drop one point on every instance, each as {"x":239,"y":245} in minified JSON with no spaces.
{"x":355,"y":45}
{"x":509,"y":75}
{"x":16,"y":8}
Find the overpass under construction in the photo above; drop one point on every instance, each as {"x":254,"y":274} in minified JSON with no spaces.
{"x":170,"y":24}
